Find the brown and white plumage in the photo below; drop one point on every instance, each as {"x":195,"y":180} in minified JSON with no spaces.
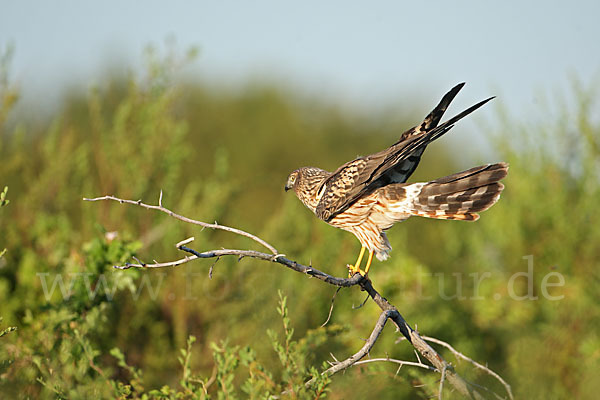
{"x":368,"y":195}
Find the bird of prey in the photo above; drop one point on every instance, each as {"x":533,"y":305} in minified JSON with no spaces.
{"x":368,"y":195}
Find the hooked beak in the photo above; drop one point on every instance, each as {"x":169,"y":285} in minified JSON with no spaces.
{"x":286,"y":188}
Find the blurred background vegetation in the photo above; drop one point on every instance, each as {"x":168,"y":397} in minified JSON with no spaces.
{"x":224,"y":155}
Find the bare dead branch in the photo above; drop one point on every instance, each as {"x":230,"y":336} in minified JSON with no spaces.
{"x":487,"y":390}
{"x":210,"y":270}
{"x":159,"y":207}
{"x":339,"y":366}
{"x":441,"y":389}
{"x":355,"y":359}
{"x":155,"y":264}
{"x":401,"y":363}
{"x":460,"y":355}
{"x":388,"y":310}
{"x":185,"y":241}
{"x":361,"y":304}
{"x":280,"y":259}
{"x":331,"y":308}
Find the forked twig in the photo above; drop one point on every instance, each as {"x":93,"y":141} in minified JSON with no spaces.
{"x":331,"y":308}
{"x":460,"y":355}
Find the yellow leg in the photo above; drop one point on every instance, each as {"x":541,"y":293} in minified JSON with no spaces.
{"x":369,"y":260}
{"x":356,"y":267}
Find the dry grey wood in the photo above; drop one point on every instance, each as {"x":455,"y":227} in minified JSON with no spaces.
{"x":356,"y":358}
{"x":388,"y":310}
{"x":460,"y":355}
{"x":159,"y":207}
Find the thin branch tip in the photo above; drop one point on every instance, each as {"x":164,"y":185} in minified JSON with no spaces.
{"x":159,"y":207}
{"x":184,"y":242}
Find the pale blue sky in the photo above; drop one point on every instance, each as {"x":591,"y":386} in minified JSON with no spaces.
{"x":357,"y":53}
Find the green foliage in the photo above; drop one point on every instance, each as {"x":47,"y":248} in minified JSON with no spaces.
{"x":65,"y":333}
{"x":86,"y":330}
{"x":7,"y":330}
{"x":3,"y":200}
{"x":256,"y":380}
{"x":6,"y":363}
{"x":295,"y":368}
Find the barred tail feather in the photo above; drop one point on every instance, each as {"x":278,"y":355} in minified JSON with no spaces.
{"x":461,"y":196}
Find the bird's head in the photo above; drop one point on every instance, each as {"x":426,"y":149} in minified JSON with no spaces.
{"x":292,"y":180}
{"x":305,"y":182}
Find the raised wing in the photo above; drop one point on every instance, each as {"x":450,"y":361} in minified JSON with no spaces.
{"x":400,"y":172}
{"x":365,"y":174}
